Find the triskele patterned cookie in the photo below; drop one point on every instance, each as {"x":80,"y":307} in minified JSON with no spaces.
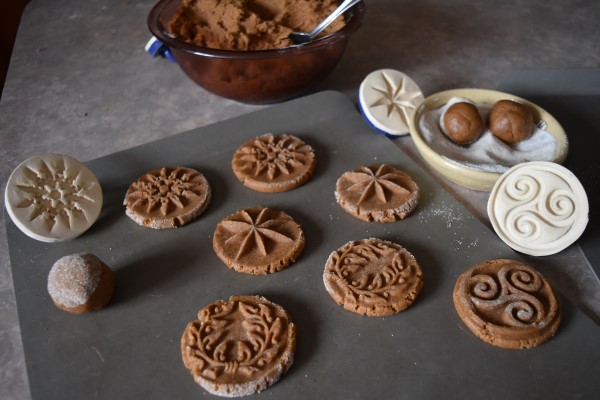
{"x":258,"y":240}
{"x":53,"y":197}
{"x":79,"y":283}
{"x":373,"y":277}
{"x":507,"y":303}
{"x":538,"y":208}
{"x":167,"y":197}
{"x":379,"y":193}
{"x":271,"y":163}
{"x":239,"y":347}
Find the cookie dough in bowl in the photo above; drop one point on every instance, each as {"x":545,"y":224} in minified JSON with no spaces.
{"x":479,"y":165}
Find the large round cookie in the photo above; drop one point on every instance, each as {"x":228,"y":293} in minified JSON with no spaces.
{"x":373,"y":277}
{"x":379,"y":193}
{"x":258,"y":240}
{"x":507,"y":303}
{"x":167,"y":197}
{"x":53,"y":197}
{"x":239,"y":347}
{"x":270,"y":163}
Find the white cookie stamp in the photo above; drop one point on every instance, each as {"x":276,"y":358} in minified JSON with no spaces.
{"x":538,"y":208}
{"x":53,"y":197}
{"x":387,"y":99}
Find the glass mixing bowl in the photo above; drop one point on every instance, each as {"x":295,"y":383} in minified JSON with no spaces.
{"x":260,"y":76}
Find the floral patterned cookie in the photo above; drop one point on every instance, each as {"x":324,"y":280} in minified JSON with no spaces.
{"x":167,"y":197}
{"x":373,"y":277}
{"x":239,"y":347}
{"x":271,"y":163}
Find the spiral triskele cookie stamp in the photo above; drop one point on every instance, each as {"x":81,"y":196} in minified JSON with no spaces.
{"x":538,"y":208}
{"x":239,"y":347}
{"x":507,"y":303}
{"x":373,"y":277}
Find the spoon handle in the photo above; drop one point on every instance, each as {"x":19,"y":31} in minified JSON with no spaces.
{"x":346,"y":4}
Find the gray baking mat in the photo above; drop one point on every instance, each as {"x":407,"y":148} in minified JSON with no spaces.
{"x":131,"y":349}
{"x":573,"y":98}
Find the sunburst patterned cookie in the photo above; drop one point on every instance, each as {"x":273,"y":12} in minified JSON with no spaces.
{"x":53,"y":197}
{"x":258,"y":240}
{"x":167,"y":197}
{"x":274,"y":163}
{"x":379,"y":193}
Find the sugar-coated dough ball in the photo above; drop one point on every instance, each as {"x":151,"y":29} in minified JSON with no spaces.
{"x":510,"y":121}
{"x":462,"y":123}
{"x":79,"y":283}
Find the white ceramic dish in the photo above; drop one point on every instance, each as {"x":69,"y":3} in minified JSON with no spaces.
{"x":462,"y":174}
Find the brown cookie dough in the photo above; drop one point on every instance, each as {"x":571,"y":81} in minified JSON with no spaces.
{"x":167,"y":197}
{"x":379,"y":193}
{"x":249,"y":24}
{"x":510,"y":121}
{"x":80,"y":283}
{"x":462,"y":123}
{"x":507,"y":303}
{"x":258,"y":240}
{"x":373,"y":277}
{"x":271,"y":163}
{"x":239,"y":347}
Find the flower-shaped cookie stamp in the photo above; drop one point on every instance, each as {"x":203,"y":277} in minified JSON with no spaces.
{"x":167,"y":197}
{"x":538,"y":208}
{"x":53,"y":197}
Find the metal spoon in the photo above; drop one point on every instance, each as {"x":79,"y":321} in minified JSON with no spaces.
{"x":303,"y":37}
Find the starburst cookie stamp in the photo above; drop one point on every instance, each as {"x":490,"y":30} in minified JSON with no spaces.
{"x":53,"y":197}
{"x":274,"y":163}
{"x":258,"y":240}
{"x":387,"y":99}
{"x":379,"y":193}
{"x":167,"y":197}
{"x":240,"y":346}
{"x":373,"y":277}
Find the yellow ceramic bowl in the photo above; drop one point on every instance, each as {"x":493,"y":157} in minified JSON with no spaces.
{"x":459,"y":173}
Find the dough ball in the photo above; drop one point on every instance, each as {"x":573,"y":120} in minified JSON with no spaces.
{"x":510,"y":121}
{"x":462,"y":123}
{"x":79,"y":283}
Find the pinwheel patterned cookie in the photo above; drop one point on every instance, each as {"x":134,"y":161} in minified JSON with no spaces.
{"x":379,"y":193}
{"x":258,"y":240}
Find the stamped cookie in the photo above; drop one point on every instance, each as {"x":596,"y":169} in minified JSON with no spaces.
{"x":379,"y":193}
{"x":258,"y":240}
{"x":167,"y":197}
{"x":53,"y":197}
{"x":79,"y":283}
{"x":373,"y":277}
{"x":507,"y":303}
{"x":239,"y":347}
{"x":271,"y":163}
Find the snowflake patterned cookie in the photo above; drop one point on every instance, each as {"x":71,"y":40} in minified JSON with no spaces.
{"x":373,"y":277}
{"x":379,"y":193}
{"x":240,"y":346}
{"x":53,"y":197}
{"x":387,"y":99}
{"x":258,"y":240}
{"x":167,"y":197}
{"x":271,"y":163}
